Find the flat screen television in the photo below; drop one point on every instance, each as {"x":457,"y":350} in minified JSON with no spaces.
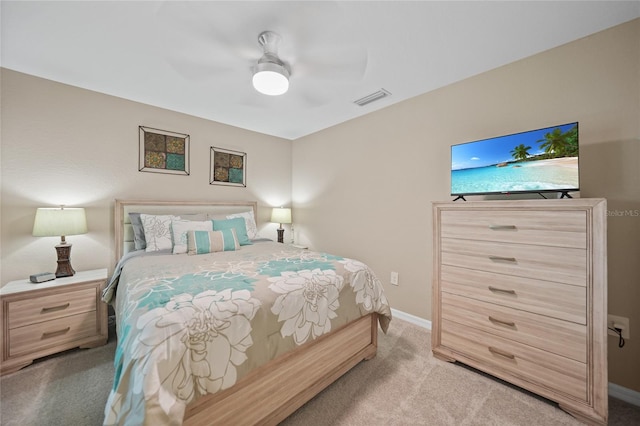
{"x":536,"y":161}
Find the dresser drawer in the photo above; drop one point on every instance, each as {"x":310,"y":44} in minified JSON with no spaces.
{"x":46,"y":308}
{"x":562,"y":301}
{"x":55,"y":332}
{"x":563,"y":338}
{"x":558,"y":264}
{"x":564,"y":375}
{"x":549,"y":228}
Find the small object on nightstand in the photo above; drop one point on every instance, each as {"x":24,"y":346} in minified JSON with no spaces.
{"x":42,"y":277}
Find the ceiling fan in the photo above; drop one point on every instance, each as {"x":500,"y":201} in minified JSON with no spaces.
{"x":311,"y":45}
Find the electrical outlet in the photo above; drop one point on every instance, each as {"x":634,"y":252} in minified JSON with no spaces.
{"x":394,"y":278}
{"x":614,"y":321}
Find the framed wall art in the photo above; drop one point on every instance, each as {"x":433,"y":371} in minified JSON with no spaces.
{"x":228,"y":167}
{"x":162,"y":151}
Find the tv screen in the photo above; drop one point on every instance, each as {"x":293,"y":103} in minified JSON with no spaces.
{"x":542,"y":160}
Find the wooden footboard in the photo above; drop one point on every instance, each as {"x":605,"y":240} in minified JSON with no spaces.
{"x":272,"y":392}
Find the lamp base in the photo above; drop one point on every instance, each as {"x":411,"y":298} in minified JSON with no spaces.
{"x":64,"y":265}
{"x":280,"y":235}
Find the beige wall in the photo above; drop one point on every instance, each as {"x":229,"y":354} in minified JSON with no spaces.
{"x":65,"y":145}
{"x":364,"y":188}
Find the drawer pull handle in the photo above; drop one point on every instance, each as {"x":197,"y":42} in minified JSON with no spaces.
{"x":502,"y":227}
{"x":55,"y":333}
{"x":501,"y":353}
{"x":501,"y":290}
{"x":507,"y":323}
{"x":54,"y":308}
{"x":503,"y":259}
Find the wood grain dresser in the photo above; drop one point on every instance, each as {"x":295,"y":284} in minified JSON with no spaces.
{"x":42,"y":319}
{"x":520,"y":292}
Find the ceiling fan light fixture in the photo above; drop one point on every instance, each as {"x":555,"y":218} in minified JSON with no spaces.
{"x":271,"y":79}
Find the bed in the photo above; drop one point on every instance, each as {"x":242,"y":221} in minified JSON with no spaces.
{"x":233,"y":328}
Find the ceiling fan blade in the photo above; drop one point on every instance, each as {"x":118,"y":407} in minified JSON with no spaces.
{"x":314,"y":98}
{"x":197,"y":59}
{"x":314,"y":24}
{"x":347,"y":63}
{"x":194,"y":46}
{"x":198,"y":70}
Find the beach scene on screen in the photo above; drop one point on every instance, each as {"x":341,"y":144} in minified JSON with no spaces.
{"x":538,"y":160}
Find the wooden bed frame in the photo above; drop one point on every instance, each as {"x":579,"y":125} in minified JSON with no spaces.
{"x":272,"y":392}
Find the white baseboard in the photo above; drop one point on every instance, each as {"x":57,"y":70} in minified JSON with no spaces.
{"x":616,"y":391}
{"x":421,"y":322}
{"x":624,"y":394}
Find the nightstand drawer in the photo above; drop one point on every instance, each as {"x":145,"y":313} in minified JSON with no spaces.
{"x":552,"y":228}
{"x":56,"y":332}
{"x":46,"y":308}
{"x":565,"y":265}
{"x":563,"y":338}
{"x":534,"y":365}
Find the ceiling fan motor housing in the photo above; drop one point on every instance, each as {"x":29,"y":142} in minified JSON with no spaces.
{"x":270,"y":74}
{"x":269,"y":42}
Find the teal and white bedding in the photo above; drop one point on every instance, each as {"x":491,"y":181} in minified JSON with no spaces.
{"x":192,"y":325}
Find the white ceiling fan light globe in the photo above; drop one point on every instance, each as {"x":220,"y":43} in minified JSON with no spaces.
{"x":271,"y":79}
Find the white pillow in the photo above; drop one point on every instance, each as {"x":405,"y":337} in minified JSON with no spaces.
{"x":180,"y":227}
{"x":157,"y":231}
{"x":250,"y":222}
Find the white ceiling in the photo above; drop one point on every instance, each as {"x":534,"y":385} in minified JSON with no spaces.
{"x":196,"y":57}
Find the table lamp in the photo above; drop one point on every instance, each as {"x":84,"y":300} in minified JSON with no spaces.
{"x":281,"y":215}
{"x":60,"y":221}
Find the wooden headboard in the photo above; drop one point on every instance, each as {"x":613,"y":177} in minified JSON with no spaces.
{"x":124,"y":230}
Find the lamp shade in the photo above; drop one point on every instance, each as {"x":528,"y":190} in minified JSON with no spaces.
{"x":281,"y":215}
{"x":60,"y":221}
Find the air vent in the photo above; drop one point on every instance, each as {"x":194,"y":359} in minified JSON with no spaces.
{"x":372,"y":97}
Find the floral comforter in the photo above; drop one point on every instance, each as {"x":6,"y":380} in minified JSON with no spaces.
{"x":191,"y":325}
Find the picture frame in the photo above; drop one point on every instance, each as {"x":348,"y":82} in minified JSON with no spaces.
{"x":228,"y":167}
{"x":163,"y":151}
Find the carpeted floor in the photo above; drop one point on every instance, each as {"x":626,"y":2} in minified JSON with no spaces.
{"x":67,"y":389}
{"x":403,"y":385}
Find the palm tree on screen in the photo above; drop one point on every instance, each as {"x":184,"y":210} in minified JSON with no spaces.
{"x":520,"y":152}
{"x":554,"y":143}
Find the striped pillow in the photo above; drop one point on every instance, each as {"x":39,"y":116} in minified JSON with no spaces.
{"x":201,"y":242}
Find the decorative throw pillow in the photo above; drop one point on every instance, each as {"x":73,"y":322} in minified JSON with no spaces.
{"x":179,"y":228}
{"x":237,"y":224}
{"x":138,"y":231}
{"x":249,"y":221}
{"x":157,"y":231}
{"x":201,"y":242}
{"x":194,"y":216}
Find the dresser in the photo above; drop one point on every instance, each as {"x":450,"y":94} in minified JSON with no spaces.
{"x":49,"y":317}
{"x":520,"y":292}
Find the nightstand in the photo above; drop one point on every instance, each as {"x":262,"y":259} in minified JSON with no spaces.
{"x":50,"y":317}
